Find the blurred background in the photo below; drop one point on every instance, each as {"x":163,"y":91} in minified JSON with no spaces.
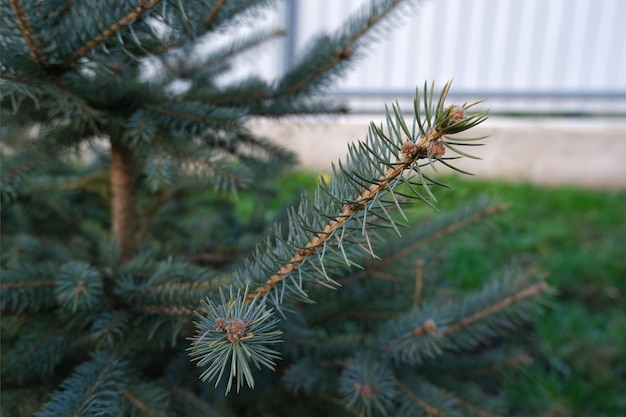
{"x":531,"y":56}
{"x":553,"y":74}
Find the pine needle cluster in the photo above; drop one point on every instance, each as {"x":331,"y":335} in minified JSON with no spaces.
{"x":131,"y":287}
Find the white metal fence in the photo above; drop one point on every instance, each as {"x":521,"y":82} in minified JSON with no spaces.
{"x":538,"y":56}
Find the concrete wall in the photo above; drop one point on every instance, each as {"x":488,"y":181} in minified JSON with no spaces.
{"x":588,"y":152}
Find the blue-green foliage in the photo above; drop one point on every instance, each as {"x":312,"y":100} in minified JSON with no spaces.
{"x":92,"y":390}
{"x":90,"y":327}
{"x":19,"y":295}
{"x":79,"y":286}
{"x":218,"y":348}
{"x":368,"y":386}
{"x":37,"y":347}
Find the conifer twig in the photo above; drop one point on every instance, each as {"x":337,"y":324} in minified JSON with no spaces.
{"x":194,"y":160}
{"x":214,"y":259}
{"x":430,"y":326}
{"x":15,"y":78}
{"x":220,"y":58}
{"x":345,"y":52}
{"x":411,"y":152}
{"x":143,"y":6}
{"x":27,"y":284}
{"x":170,"y":310}
{"x":208,"y":20}
{"x":420,"y":243}
{"x":418,"y":400}
{"x":137,"y":403}
{"x":191,"y":397}
{"x":27,"y":32}
{"x":512,"y":362}
{"x":531,"y":291}
{"x":335,"y":401}
{"x":419,"y":278}
{"x":474,"y":409}
{"x":360,"y":315}
{"x":37,"y":159}
{"x":193,"y":118}
{"x":340,"y":55}
{"x":452,"y":228}
{"x":123,"y":218}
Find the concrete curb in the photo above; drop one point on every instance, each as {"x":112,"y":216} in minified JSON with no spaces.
{"x":588,"y":153}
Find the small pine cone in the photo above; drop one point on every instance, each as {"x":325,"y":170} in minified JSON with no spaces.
{"x":409,"y":149}
{"x":456,"y":115}
{"x":344,"y":53}
{"x":436,"y":149}
{"x":236,"y":329}
{"x":430,"y":326}
{"x":365,"y":390}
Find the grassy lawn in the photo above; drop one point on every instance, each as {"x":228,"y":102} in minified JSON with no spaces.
{"x":578,"y":237}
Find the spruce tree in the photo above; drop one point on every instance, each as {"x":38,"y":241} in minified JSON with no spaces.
{"x":132,"y":285}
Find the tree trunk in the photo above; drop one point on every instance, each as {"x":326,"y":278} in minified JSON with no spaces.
{"x":123,"y":199}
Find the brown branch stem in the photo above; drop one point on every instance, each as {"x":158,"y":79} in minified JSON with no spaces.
{"x":143,"y":6}
{"x":496,"y":368}
{"x":419,"y":281}
{"x":137,"y":403}
{"x":208,"y":20}
{"x":193,"y":118}
{"x":27,"y":284}
{"x":430,"y":327}
{"x":418,"y":150}
{"x":176,"y":311}
{"x":27,"y":32}
{"x":531,"y":291}
{"x":15,"y":78}
{"x":122,"y":179}
{"x":418,"y":400}
{"x":475,"y":409}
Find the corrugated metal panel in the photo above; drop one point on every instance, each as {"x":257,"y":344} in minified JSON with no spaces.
{"x":531,"y":55}
{"x":527,"y":56}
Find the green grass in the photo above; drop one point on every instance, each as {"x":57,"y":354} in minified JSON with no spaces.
{"x":578,"y":237}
